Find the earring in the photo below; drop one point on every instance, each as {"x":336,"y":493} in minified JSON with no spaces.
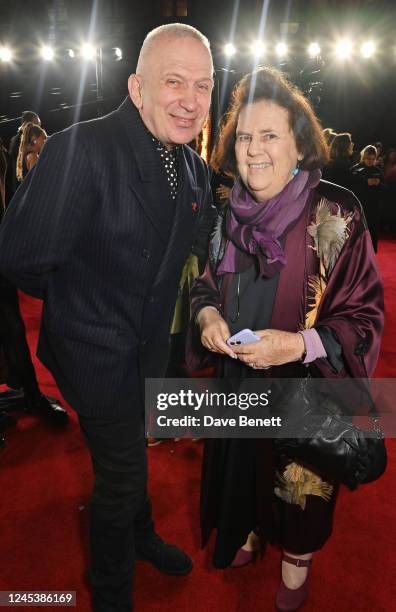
{"x":297,"y":169}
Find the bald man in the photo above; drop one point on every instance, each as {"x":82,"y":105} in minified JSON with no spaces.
{"x":100,"y":230}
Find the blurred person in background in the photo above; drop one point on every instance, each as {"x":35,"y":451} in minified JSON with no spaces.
{"x":13,"y":150}
{"x":32,"y":141}
{"x":368,"y":186}
{"x":338,"y":169}
{"x":380,"y":154}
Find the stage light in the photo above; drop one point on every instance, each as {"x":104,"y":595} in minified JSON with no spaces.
{"x":258,"y":48}
{"x":118,"y":53}
{"x":47,"y":53}
{"x":5,"y":54}
{"x":71,"y":53}
{"x":314,"y":50}
{"x":281,"y":49}
{"x":229,"y":49}
{"x":367,"y":49}
{"x":88,"y":52}
{"x":344,"y":49}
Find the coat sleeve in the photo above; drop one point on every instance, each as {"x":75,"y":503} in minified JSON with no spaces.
{"x":205,"y":292}
{"x":205,"y":224}
{"x":46,"y":214}
{"x":353,"y":306}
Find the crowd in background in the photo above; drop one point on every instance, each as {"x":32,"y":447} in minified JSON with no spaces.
{"x":16,"y":366}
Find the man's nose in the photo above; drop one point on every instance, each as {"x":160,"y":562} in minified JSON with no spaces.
{"x":189,"y":100}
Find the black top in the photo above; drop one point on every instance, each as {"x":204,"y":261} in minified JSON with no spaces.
{"x":338,"y":172}
{"x":251,"y":310}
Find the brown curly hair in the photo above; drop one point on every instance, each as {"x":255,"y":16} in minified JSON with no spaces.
{"x":272,"y":85}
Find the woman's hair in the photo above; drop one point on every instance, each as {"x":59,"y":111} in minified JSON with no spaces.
{"x":340,"y":147}
{"x":28,"y":132}
{"x":271,"y":85}
{"x":329,"y":135}
{"x":369,"y":150}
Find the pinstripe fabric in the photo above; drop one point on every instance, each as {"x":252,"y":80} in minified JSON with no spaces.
{"x":94,"y":232}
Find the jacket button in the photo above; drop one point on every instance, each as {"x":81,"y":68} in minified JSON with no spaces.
{"x":146,"y":253}
{"x":144,"y":341}
{"x":150,"y":299}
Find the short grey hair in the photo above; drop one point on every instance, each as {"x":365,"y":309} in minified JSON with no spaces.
{"x":170,"y":30}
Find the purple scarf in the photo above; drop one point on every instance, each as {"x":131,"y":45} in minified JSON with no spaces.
{"x":255,"y":229}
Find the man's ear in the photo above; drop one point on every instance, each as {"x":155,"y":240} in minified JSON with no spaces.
{"x":134,"y":88}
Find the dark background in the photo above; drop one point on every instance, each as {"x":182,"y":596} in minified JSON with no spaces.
{"x":358,"y":96}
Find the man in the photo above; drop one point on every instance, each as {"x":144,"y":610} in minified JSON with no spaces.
{"x":100,"y":229}
{"x":11,"y":183}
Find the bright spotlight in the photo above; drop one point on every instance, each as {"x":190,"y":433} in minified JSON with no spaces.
{"x":258,"y":48}
{"x":5,"y":54}
{"x":47,"y":53}
{"x":314,"y":50}
{"x":118,"y":53}
{"x":71,"y":53}
{"x":344,"y":49}
{"x":229,"y":49}
{"x":281,"y":49}
{"x":88,"y":52}
{"x":367,"y":49}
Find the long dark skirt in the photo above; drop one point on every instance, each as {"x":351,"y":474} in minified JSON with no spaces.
{"x":237,"y":496}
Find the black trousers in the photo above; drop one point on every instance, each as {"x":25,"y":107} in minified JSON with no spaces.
{"x":21,"y":372}
{"x":120,"y":507}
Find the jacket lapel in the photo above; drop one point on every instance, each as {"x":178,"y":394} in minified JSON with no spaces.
{"x":149,"y":183}
{"x":188,"y":202}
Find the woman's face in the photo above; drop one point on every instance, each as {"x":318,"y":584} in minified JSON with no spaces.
{"x":369,"y":159}
{"x":265,"y":149}
{"x":38,"y":142}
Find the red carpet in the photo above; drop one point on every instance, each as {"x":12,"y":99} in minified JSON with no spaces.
{"x":45,"y":482}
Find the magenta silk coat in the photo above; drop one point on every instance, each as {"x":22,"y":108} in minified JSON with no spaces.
{"x":352,"y":302}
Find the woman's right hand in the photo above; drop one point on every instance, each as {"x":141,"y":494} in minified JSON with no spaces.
{"x":214,"y":331}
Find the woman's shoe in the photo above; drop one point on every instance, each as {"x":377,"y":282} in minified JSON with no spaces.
{"x":289,"y":600}
{"x":243,"y":557}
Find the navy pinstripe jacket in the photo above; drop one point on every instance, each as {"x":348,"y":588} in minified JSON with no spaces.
{"x":93,"y":231}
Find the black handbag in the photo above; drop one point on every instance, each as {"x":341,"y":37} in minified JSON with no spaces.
{"x":331,"y":444}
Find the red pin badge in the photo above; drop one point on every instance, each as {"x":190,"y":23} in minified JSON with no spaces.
{"x":194,"y":207}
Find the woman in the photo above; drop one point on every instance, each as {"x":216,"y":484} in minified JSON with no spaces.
{"x":290,"y":259}
{"x":338,"y":169}
{"x":368,"y":186}
{"x":32,"y":141}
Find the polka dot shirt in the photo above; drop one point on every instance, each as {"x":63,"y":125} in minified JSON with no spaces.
{"x":169,"y":161}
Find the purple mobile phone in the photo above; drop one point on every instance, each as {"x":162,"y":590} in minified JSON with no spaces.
{"x":246,"y":336}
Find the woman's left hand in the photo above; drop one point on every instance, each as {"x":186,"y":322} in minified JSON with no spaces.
{"x":274,"y":348}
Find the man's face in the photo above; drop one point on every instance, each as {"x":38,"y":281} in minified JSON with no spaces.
{"x":174,"y":90}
